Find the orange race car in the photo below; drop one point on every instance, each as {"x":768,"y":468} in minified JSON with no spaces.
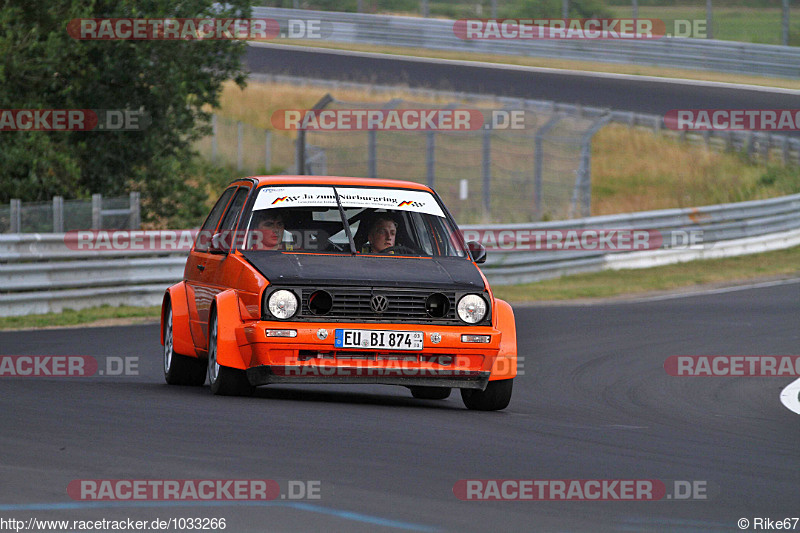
{"x":305,"y":279}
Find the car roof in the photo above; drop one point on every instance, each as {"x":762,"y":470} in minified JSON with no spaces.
{"x":335,"y":180}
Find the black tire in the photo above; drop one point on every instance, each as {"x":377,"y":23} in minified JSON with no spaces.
{"x":180,"y":369}
{"x":430,"y":393}
{"x":496,"y":396}
{"x":225,"y":381}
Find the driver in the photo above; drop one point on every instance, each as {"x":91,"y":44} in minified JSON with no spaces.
{"x":381,"y":235}
{"x":267,"y":232}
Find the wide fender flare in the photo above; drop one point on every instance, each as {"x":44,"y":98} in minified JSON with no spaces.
{"x":505,"y":364}
{"x":226,"y":307}
{"x":175,"y":296}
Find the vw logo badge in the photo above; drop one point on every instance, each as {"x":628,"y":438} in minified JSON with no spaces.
{"x":379,"y":303}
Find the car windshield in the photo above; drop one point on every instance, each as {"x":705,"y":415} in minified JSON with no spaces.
{"x":380,"y":220}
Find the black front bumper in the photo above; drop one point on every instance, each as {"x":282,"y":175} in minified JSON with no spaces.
{"x":458,"y":379}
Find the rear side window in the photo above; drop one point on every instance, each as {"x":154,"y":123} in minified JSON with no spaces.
{"x":232,"y":215}
{"x":202,"y":243}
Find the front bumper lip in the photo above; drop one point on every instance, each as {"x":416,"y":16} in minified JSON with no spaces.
{"x":460,"y":379}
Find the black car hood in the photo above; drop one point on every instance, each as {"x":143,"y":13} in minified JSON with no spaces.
{"x":311,"y":269}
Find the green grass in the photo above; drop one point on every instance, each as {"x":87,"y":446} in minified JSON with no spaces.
{"x":745,"y":24}
{"x":780,"y":263}
{"x":70,"y":317}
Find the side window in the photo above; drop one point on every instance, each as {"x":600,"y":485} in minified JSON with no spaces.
{"x":203,"y":240}
{"x":232,"y":215}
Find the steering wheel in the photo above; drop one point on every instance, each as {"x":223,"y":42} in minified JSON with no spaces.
{"x":399,"y":249}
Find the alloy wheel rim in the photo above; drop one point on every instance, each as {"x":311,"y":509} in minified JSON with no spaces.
{"x":168,"y":344}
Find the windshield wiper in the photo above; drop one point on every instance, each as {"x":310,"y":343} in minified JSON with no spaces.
{"x":345,"y":222}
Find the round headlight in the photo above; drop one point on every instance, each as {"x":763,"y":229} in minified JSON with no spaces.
{"x":282,"y":304}
{"x":471,"y":308}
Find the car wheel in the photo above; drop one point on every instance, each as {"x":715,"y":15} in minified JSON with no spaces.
{"x":430,"y":393}
{"x":180,"y":369}
{"x":225,"y":381}
{"x":496,"y":396}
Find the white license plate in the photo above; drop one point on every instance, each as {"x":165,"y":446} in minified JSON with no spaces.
{"x":376,"y":339}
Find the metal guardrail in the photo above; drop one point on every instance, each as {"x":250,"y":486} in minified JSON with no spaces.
{"x":39,"y":273}
{"x":438,"y":34}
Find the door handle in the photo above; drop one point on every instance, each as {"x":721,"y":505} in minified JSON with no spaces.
{"x":201,"y":267}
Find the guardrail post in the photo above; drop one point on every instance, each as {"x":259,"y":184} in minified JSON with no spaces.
{"x":239,"y":145}
{"x":486,"y":164}
{"x":430,"y":157}
{"x":268,"y":151}
{"x":97,"y":211}
{"x":16,"y":215}
{"x":135,"y":219}
{"x":214,"y":137}
{"x":58,"y":214}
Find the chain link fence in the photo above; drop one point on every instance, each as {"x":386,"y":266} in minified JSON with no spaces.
{"x":535,"y":170}
{"x":59,"y":215}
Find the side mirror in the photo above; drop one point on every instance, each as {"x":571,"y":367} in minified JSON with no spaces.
{"x":220,"y":243}
{"x":477,"y":251}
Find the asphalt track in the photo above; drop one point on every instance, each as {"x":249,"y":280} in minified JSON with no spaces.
{"x":594,"y":403}
{"x":628,"y":93}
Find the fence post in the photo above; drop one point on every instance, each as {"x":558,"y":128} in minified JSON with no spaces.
{"x":372,"y":149}
{"x":214,"y":137}
{"x":239,"y":145}
{"x":486,"y":164}
{"x":430,"y":157}
{"x":58,"y":214}
{"x":300,"y":152}
{"x":16,"y":215}
{"x":268,"y":151}
{"x":97,"y":211}
{"x":538,"y":156}
{"x":583,"y":181}
{"x":135,"y":220}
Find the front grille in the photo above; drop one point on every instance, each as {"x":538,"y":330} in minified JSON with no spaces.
{"x":354,"y":303}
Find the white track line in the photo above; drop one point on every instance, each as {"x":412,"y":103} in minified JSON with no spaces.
{"x":505,"y":66}
{"x":790,"y":396}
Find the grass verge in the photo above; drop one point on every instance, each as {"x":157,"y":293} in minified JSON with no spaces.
{"x":691,"y":275}
{"x":94,"y":316}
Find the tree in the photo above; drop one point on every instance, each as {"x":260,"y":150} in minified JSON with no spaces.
{"x":173,"y":82}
